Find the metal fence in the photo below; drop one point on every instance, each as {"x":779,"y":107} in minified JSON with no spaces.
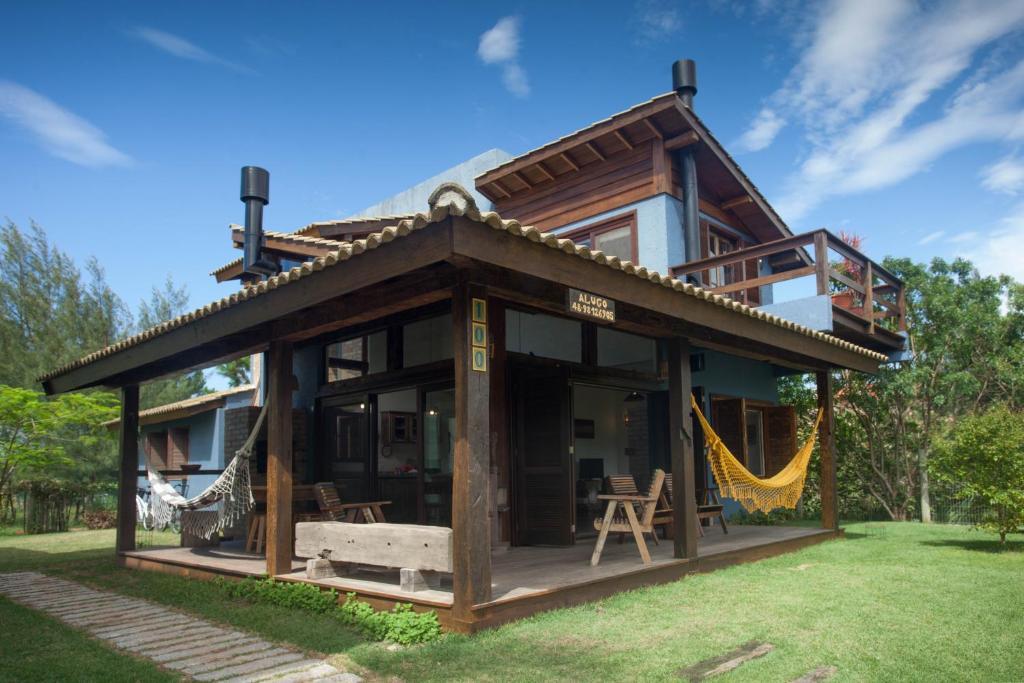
{"x":949,"y":507}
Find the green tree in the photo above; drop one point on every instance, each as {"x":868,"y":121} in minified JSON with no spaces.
{"x":165,"y":303}
{"x":237,"y":372}
{"x":49,"y":313}
{"x":36,"y":432}
{"x":983,"y":456}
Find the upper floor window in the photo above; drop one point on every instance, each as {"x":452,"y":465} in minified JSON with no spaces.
{"x":719,"y":245}
{"x":427,"y":341}
{"x":615,"y":236}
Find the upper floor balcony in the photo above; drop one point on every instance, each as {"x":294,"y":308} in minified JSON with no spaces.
{"x":853,"y":297}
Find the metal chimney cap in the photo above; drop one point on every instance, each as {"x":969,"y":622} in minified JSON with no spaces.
{"x":255,"y":184}
{"x":684,"y":77}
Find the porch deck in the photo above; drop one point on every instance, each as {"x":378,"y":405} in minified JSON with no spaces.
{"x":529,"y":578}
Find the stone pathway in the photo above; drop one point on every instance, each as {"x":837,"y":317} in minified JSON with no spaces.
{"x":193,"y":647}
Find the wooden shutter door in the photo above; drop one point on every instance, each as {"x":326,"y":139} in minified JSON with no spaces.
{"x":543,"y":462}
{"x":729,"y":417}
{"x":780,"y":438}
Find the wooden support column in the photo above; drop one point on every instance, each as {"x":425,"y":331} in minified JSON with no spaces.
{"x":279,"y":458}
{"x":827,"y":448}
{"x":500,"y":461}
{"x":471,"y":578}
{"x":821,"y":264}
{"x":681,"y":448}
{"x":128,"y":475}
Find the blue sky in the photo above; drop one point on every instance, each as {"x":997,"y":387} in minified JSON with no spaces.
{"x":123,"y":125}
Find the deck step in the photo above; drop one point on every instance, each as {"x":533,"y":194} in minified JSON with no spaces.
{"x":197,"y":648}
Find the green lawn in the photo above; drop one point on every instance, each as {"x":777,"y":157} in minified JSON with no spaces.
{"x":890,"y":602}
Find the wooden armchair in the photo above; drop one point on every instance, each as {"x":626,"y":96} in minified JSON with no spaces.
{"x":625,"y":485}
{"x":621,"y":517}
{"x":333,"y":510}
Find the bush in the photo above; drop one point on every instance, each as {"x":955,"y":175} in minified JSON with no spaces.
{"x":99,"y":519}
{"x":401,"y":625}
{"x":983,"y":455}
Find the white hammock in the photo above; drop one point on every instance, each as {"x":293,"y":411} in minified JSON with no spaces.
{"x":230,"y":495}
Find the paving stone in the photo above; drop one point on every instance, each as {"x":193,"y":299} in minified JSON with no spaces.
{"x":252,"y":667}
{"x":190,"y":645}
{"x":146,"y":622}
{"x":232,"y":651}
{"x":227,"y":658}
{"x":822,"y":673}
{"x":317,"y":673}
{"x":194,"y":649}
{"x":271,"y":674}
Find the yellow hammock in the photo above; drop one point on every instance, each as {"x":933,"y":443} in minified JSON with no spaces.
{"x":753,"y":493}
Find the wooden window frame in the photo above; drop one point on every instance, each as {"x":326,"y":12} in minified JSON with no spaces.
{"x":592,"y":230}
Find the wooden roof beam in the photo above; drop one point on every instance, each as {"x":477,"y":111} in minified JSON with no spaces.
{"x":593,"y":148}
{"x":622,"y":138}
{"x":655,"y":131}
{"x":730,"y":204}
{"x":521,"y":178}
{"x":686,"y":139}
{"x":500,"y":188}
{"x":544,"y":170}
{"x":564,"y":156}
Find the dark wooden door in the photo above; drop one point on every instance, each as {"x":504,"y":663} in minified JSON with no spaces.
{"x":542,"y":456}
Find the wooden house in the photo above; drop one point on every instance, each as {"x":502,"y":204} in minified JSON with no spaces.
{"x":487,"y":359}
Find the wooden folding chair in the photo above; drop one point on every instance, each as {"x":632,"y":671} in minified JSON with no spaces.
{"x":621,"y":517}
{"x":333,"y":510}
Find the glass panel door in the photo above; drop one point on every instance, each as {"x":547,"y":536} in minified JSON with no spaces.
{"x":347,"y":449}
{"x":438,"y":455}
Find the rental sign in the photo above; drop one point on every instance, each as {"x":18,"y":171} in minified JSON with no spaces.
{"x":590,"y":306}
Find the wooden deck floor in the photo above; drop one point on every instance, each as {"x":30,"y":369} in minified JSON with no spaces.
{"x":516,"y":573}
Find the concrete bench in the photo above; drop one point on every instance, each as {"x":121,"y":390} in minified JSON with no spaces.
{"x":421,"y":553}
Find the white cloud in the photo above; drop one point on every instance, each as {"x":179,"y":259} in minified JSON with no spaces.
{"x":762,"y":131}
{"x":501,"y":43}
{"x":1006,"y":176}
{"x":931,"y":237}
{"x":964,"y":237}
{"x":999,"y":252}
{"x":866,"y":71}
{"x":61,"y":132}
{"x":655,"y":20}
{"x":183,"y":49}
{"x":500,"y":46}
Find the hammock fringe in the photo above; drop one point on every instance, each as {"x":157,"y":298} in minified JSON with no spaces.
{"x":754,"y":493}
{"x":229,"y":496}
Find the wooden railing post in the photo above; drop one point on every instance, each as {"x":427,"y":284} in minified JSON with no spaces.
{"x":681,"y":446}
{"x":869,"y":296}
{"x":279,"y":459}
{"x":821,"y":264}
{"x":827,"y":451}
{"x":471,"y":576}
{"x":128,"y":473}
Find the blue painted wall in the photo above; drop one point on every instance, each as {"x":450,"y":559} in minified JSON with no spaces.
{"x":734,"y":376}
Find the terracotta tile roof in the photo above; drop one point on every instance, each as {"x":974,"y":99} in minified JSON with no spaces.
{"x":302,"y":235}
{"x":452,"y":200}
{"x":148,"y":415}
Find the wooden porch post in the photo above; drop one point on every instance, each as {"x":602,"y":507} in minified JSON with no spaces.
{"x":129,"y":471}
{"x":279,"y":459}
{"x":684,"y":499}
{"x":471,"y":580}
{"x":827,"y":447}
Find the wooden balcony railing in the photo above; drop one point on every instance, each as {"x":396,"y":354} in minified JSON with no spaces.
{"x":860,"y":287}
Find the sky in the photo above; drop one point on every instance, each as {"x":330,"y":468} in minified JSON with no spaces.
{"x":123,"y":125}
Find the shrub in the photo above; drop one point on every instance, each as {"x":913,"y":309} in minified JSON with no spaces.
{"x":984,"y":456}
{"x":401,"y":625}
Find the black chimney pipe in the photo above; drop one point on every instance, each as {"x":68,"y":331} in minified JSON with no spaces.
{"x":256,"y":194}
{"x":684,"y":82}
